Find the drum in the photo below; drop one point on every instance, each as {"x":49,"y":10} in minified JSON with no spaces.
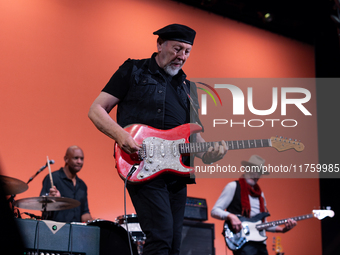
{"x":134,"y":229}
{"x":114,"y":239}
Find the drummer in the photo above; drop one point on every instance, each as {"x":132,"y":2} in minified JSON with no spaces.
{"x":68,"y":184}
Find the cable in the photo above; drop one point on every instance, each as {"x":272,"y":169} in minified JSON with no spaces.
{"x":132,"y":170}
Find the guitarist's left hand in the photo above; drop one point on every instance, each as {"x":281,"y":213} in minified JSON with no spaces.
{"x":214,"y":153}
{"x":288,"y":226}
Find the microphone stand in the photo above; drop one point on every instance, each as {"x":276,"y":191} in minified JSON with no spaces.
{"x":44,"y":213}
{"x":11,"y":199}
{"x":32,"y":177}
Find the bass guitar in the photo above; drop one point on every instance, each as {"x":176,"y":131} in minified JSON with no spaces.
{"x":253,"y":228}
{"x":162,"y":150}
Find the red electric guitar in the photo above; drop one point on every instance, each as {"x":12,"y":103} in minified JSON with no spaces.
{"x":162,"y":150}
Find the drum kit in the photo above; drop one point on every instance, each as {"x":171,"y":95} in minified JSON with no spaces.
{"x":131,"y":225}
{"x":13,"y":186}
{"x":122,"y":235}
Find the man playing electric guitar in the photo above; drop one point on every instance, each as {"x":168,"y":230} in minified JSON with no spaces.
{"x":244,"y":197}
{"x":156,"y":93}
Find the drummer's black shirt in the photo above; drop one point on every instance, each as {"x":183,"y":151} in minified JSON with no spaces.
{"x":67,"y":189}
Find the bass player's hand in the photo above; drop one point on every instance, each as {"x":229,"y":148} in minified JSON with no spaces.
{"x":235,"y":222}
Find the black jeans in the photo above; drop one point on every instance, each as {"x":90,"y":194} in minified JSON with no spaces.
{"x":252,"y":248}
{"x":160,"y":205}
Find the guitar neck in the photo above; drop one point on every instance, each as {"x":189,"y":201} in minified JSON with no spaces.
{"x":185,"y":148}
{"x":283,"y":221}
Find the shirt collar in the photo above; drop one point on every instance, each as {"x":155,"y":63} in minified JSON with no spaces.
{"x":63,"y":175}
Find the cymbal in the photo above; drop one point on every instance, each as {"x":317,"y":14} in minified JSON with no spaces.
{"x":12,"y":186}
{"x":50,"y":203}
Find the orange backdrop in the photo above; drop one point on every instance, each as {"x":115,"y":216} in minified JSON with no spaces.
{"x":57,"y":55}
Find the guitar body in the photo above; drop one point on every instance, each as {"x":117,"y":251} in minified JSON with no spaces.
{"x":160,"y":152}
{"x":252,"y":229}
{"x":248,"y":232}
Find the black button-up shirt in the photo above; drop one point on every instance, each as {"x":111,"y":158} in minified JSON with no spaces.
{"x":67,"y":189}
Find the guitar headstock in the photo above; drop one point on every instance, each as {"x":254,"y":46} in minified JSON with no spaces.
{"x":320,"y":214}
{"x":283,"y":144}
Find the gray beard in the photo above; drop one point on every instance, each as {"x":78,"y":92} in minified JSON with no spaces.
{"x":170,"y":70}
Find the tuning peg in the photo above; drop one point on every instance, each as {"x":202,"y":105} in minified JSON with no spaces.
{"x":328,"y":207}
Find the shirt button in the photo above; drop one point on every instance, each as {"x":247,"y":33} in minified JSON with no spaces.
{"x":160,"y":91}
{"x":159,"y":110}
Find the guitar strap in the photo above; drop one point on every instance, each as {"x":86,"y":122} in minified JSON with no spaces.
{"x":184,"y":84}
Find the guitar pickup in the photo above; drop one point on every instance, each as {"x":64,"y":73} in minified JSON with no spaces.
{"x":162,"y":149}
{"x":151,"y":150}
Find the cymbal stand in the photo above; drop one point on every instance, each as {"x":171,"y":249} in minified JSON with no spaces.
{"x":11,"y":202}
{"x":44,"y":213}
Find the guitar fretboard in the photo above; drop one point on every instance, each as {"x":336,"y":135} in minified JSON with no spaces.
{"x":232,"y":145}
{"x":283,"y":221}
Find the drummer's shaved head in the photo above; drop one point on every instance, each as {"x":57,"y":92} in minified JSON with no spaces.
{"x":74,"y":159}
{"x":71,"y":149}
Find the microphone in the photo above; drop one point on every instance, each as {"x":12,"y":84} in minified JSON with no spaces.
{"x":41,"y":168}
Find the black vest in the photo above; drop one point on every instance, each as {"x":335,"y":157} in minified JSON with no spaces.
{"x":235,"y":206}
{"x":145,"y":100}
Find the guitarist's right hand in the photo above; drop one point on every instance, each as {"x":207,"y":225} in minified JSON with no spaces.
{"x":127,"y":143}
{"x":235,"y":222}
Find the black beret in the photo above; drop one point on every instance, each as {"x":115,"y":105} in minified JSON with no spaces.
{"x":177,"y":32}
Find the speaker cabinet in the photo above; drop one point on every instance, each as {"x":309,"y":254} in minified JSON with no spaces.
{"x":59,"y":238}
{"x":197,"y":238}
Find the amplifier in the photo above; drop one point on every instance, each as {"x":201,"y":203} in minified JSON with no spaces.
{"x":196,"y":209}
{"x":197,"y":238}
{"x":50,"y":237}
